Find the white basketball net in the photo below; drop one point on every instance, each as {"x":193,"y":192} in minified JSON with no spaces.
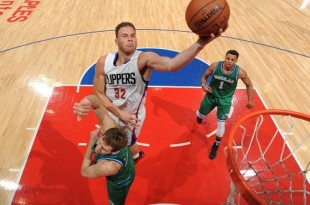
{"x":273,"y":156}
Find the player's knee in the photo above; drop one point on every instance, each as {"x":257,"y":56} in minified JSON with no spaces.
{"x":220,"y":128}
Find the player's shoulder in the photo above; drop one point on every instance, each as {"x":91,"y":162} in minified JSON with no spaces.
{"x":242,"y":73}
{"x":100,"y":64}
{"x":101,"y":59}
{"x":213,"y":65}
{"x":240,"y":69}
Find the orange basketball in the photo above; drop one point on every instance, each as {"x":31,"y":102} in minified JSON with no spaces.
{"x":204,"y":17}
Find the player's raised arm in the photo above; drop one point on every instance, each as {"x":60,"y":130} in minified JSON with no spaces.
{"x":162,"y":63}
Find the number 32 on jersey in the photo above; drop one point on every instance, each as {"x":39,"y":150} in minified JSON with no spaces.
{"x":119,"y":93}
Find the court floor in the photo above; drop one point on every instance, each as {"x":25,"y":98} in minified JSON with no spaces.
{"x":46,"y":48}
{"x":175,"y":170}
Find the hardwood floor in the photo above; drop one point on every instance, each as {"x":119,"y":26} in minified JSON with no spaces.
{"x":58,"y":40}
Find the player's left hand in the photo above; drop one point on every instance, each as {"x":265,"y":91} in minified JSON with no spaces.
{"x":129,"y":118}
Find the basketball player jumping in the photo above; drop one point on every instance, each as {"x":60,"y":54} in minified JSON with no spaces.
{"x":220,"y":91}
{"x":122,"y":77}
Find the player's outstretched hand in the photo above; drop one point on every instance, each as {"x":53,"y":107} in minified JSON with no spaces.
{"x":204,"y":40}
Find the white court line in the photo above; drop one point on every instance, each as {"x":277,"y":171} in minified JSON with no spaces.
{"x":180,"y":144}
{"x":230,"y":112}
{"x":143,"y":144}
{"x":28,"y":150}
{"x":80,"y":81}
{"x":304,"y":4}
{"x":31,"y":128}
{"x":211,"y":133}
{"x":14,"y":170}
{"x":288,"y":133}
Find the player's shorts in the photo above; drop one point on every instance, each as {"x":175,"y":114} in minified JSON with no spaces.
{"x":209,"y":102}
{"x":132,"y":134}
{"x":118,"y":191}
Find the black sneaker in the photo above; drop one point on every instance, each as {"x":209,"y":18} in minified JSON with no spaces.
{"x":141,"y":155}
{"x":199,"y":120}
{"x":214,"y":148}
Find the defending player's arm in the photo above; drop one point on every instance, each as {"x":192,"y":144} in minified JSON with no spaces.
{"x":249,"y":87}
{"x":128,"y":117}
{"x":92,"y":102}
{"x":100,"y":111}
{"x":205,"y":76}
{"x":104,"y":167}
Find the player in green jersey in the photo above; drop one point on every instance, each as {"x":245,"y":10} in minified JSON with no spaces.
{"x":219,"y":92}
{"x":108,"y":147}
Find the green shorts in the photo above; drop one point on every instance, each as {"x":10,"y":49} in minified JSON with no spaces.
{"x":117,"y":193}
{"x":209,"y":102}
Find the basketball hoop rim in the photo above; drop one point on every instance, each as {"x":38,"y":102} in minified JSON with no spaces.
{"x":247,"y":193}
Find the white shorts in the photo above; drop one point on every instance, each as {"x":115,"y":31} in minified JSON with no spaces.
{"x":132,"y":134}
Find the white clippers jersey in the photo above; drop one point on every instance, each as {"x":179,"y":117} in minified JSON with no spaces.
{"x":125,"y":86}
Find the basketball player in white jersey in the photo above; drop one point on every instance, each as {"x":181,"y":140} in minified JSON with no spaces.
{"x":122,"y":77}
